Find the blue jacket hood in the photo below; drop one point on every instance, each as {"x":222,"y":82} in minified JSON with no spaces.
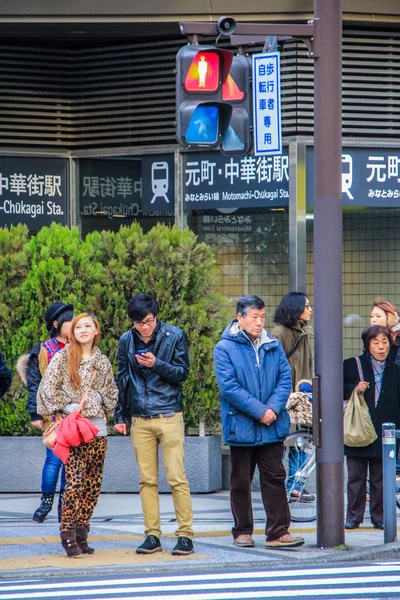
{"x":232,"y":332}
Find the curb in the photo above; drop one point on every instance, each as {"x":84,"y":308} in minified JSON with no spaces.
{"x":384,"y":551}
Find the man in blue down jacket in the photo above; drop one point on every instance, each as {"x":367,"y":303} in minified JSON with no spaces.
{"x":254,"y":380}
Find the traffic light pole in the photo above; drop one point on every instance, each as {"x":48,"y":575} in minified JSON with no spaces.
{"x":322,"y":37}
{"x":328,"y":299}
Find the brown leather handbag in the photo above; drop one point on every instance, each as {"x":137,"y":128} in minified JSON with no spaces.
{"x":50,"y":433}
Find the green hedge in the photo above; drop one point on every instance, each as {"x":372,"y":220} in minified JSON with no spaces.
{"x":101,"y":273}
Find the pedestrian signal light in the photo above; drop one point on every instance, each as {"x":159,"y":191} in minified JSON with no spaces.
{"x":213,"y":100}
{"x":204,"y":73}
{"x":237,"y":140}
{"x":234,"y":140}
{"x":202,"y":118}
{"x":203,"y":125}
{"x":231,"y":92}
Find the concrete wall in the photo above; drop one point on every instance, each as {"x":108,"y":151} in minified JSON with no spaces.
{"x":85,"y":20}
{"x":22,"y":458}
{"x":124,"y":9}
{"x":226,"y":473}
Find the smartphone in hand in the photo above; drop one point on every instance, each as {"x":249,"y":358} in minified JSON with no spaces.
{"x":140,"y":352}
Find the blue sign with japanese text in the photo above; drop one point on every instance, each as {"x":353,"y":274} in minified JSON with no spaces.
{"x":211,"y":180}
{"x":33,"y":191}
{"x":267,"y":104}
{"x":370,"y":176}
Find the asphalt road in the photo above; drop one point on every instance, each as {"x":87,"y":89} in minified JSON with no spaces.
{"x":344,"y":581}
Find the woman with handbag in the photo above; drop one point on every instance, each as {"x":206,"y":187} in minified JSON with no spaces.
{"x":78,"y":373}
{"x":377,"y":377}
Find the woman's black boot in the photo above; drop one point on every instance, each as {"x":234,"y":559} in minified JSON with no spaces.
{"x":45,"y":507}
{"x":69,"y":543}
{"x":81,"y":538}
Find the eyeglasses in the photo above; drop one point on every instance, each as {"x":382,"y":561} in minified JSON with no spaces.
{"x":145,"y":323}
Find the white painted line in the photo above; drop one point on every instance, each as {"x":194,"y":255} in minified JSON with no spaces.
{"x":243,"y":575}
{"x":303,"y":586}
{"x":347,"y":593}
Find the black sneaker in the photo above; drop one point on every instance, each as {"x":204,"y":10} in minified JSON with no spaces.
{"x":150,"y":545}
{"x":184,"y":545}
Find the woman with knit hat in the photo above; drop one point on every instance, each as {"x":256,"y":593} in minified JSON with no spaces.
{"x":58,"y":318}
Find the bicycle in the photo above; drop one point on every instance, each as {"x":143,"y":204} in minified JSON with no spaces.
{"x":300,"y":446}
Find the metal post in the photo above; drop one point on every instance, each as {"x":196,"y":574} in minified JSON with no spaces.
{"x":297,"y":216}
{"x":389,"y":482}
{"x":180,"y":214}
{"x":328,"y":299}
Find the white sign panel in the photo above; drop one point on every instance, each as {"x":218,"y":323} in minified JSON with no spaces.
{"x":267,"y":104}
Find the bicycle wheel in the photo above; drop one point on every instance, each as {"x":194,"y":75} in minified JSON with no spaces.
{"x":300,"y":462}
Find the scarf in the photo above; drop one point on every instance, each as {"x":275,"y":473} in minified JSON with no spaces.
{"x":378,"y":367}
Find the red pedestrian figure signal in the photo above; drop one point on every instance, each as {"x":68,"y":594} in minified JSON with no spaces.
{"x":204,"y":73}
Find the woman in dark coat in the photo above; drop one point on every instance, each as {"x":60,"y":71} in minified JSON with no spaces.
{"x":381,"y":389}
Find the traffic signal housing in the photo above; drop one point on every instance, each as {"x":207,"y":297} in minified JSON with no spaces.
{"x":237,"y":92}
{"x":202,"y":118}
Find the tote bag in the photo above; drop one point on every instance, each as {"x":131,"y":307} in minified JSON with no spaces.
{"x":358,"y":428}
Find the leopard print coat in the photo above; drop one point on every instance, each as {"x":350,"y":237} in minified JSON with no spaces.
{"x":55,"y":390}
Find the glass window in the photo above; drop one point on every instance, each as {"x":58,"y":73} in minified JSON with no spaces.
{"x":370,"y":267}
{"x":252,"y":252}
{"x":117,"y":191}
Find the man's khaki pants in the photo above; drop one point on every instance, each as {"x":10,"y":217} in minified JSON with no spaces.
{"x":147,"y":434}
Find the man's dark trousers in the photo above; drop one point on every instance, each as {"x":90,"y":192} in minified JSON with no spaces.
{"x":268,"y":459}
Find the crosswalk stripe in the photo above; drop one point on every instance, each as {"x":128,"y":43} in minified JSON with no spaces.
{"x":279,"y":574}
{"x":304,"y":584}
{"x":347,"y":592}
{"x":345,"y":582}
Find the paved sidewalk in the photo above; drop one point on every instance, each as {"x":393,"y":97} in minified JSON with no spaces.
{"x":28,"y":548}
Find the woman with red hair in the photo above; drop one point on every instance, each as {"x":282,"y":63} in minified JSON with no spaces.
{"x":80,"y":370}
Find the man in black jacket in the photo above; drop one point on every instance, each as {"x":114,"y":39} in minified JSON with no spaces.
{"x":153,"y":363}
{"x":5,"y":376}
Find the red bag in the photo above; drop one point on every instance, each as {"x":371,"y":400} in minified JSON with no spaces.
{"x":50,"y":433}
